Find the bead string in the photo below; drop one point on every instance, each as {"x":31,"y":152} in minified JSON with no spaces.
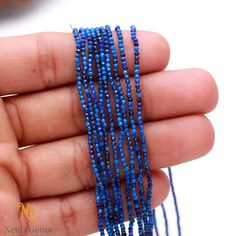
{"x":100,"y":123}
{"x":99,"y":189}
{"x":141,"y":128}
{"x":133,"y":141}
{"x":107,"y":104}
{"x":114,"y":180}
{"x":100,"y":138}
{"x":103,"y":62}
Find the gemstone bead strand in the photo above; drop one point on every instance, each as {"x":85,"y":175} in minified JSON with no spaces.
{"x":115,"y":92}
{"x":103,"y":93}
{"x":106,"y":106}
{"x":134,"y":137}
{"x":122,"y":118}
{"x":141,"y":127}
{"x":88,"y":127}
{"x":100,"y":136}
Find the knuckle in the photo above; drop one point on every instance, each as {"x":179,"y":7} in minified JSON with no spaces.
{"x":26,"y":177}
{"x":74,"y":111}
{"x":148,"y":99}
{"x":46,"y":60}
{"x":81,"y":164}
{"x":67,"y":214}
{"x":15,"y":119}
{"x":6,"y":154}
{"x":9,"y":161}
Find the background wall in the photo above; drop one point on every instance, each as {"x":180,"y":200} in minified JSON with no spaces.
{"x":201,"y":34}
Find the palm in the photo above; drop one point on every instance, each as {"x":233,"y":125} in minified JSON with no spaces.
{"x":54,"y":174}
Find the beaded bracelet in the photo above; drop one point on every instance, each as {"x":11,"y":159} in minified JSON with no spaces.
{"x":116,"y":138}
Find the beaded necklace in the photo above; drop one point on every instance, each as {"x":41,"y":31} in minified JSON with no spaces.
{"x":116,"y":138}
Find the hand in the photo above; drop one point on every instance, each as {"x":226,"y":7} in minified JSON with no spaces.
{"x":54,"y":174}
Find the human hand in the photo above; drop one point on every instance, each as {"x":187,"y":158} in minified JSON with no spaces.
{"x":54,"y":175}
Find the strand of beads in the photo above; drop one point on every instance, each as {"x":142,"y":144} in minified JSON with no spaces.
{"x":104,"y":66}
{"x":122,"y":116}
{"x":141,"y":127}
{"x":133,"y":140}
{"x":117,"y":108}
{"x":123,"y":135}
{"x":100,"y":136}
{"x":106,"y":105}
{"x":99,"y":189}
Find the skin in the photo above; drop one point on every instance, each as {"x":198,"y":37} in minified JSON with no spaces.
{"x":54,"y":173}
{"x":4,"y":3}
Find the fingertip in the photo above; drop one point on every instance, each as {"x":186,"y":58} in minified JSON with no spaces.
{"x":155,"y":49}
{"x":209,"y":90}
{"x":161,"y":187}
{"x":164,"y":49}
{"x":208,"y":138}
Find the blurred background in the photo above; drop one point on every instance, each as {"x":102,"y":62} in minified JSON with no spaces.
{"x":201,"y":34}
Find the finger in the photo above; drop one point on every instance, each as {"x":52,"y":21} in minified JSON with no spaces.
{"x":45,"y":60}
{"x":7,"y":135}
{"x":36,"y":117}
{"x":76,"y":214}
{"x":169,"y":142}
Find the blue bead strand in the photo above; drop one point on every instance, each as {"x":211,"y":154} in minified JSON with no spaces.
{"x":107,"y":105}
{"x":99,"y":189}
{"x":115,"y":181}
{"x":165,"y":219}
{"x":103,"y":194}
{"x":119,"y":100}
{"x":155,"y":223}
{"x":101,"y":139}
{"x":133,"y":140}
{"x":105,"y":198}
{"x":141,"y":127}
{"x":123,"y":133}
{"x":123,"y":107}
{"x":119,"y":95}
{"x":146,"y":207}
{"x":136,"y":139}
{"x":175,"y":201}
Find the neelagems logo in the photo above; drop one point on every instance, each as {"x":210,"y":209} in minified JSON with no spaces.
{"x":28,"y":212}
